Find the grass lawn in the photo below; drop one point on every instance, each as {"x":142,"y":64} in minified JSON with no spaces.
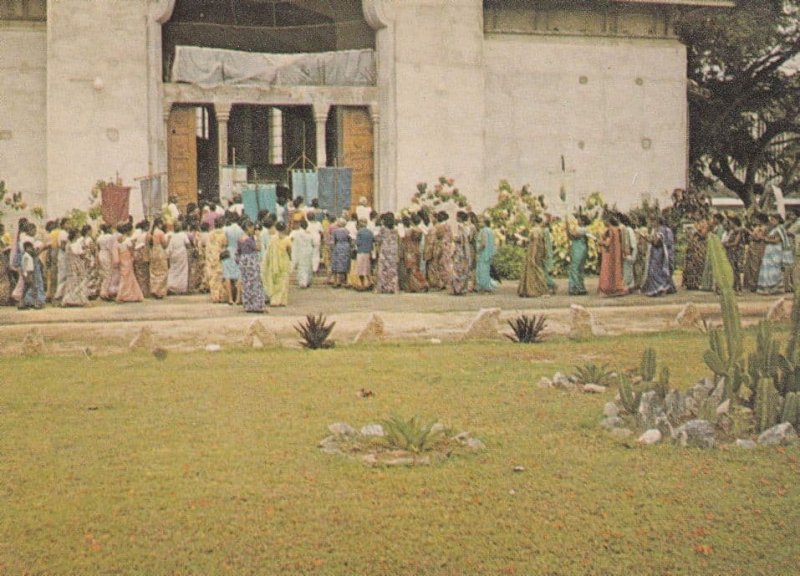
{"x":208,"y":464}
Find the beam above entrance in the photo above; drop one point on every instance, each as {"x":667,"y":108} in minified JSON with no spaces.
{"x":272,"y":96}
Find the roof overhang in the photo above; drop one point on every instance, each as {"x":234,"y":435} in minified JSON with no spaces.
{"x":706,"y":3}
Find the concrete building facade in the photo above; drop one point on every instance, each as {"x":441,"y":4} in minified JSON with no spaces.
{"x":476,"y":90}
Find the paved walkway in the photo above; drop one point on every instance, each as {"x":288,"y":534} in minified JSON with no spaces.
{"x":191,"y":322}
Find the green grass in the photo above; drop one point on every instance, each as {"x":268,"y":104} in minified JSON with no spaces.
{"x":207,"y":464}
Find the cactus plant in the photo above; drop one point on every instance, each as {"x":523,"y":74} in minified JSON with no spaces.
{"x":630,"y":399}
{"x":791,"y":409}
{"x":766,"y":360}
{"x":647,"y":366}
{"x":662,"y":384}
{"x":766,"y":409}
{"x":724,"y":355}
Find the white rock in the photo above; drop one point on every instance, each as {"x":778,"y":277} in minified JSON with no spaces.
{"x":374,"y":331}
{"x":612,"y":422}
{"x":519,"y":468}
{"x":342,"y":429}
{"x":593,"y":389}
{"x":545,"y":382}
{"x":475,"y":444}
{"x":213,"y":348}
{"x":777,"y":435}
{"x":652,"y":436}
{"x":373,"y":430}
{"x":484,"y":325}
{"x":780,"y":311}
{"x":724,"y":408}
{"x":435,"y":341}
{"x":746,"y":444}
{"x":610,"y":410}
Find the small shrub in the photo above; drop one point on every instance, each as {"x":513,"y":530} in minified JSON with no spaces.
{"x":412,"y":435}
{"x":315,"y":332}
{"x":507,"y":261}
{"x":591,"y":373}
{"x":527,"y":329}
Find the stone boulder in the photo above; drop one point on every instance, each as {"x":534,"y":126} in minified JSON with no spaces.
{"x":484,"y":326}
{"x":650,"y":408}
{"x":675,"y":406}
{"x":545,"y":382}
{"x":582,"y":323}
{"x":689,"y":317}
{"x":258,"y":336}
{"x":780,"y":311}
{"x":33,"y":343}
{"x":143,"y":341}
{"x":563,"y":382}
{"x":593,"y":389}
{"x":610,"y":410}
{"x":372,"y":430}
{"x":696,"y":434}
{"x":612,"y":422}
{"x":780,"y":435}
{"x":746,"y":444}
{"x":372,"y":332}
{"x":342,"y":429}
{"x":650,"y":437}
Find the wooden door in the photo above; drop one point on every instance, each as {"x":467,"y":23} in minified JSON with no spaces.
{"x":182,"y":150}
{"x":356,"y":151}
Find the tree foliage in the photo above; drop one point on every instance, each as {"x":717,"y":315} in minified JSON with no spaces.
{"x":744,"y":62}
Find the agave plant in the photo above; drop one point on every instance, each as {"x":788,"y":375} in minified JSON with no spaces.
{"x":527,"y":329}
{"x":591,"y":373}
{"x":412,"y":435}
{"x":315,"y":332}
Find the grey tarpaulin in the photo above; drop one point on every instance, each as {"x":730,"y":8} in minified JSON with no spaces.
{"x":212,"y":67}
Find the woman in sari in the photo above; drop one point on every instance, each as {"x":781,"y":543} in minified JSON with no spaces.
{"x":340,"y":254}
{"x":388,"y":281}
{"x":279,"y":266}
{"x":302,"y":254}
{"x":734,"y":242}
{"x":579,"y":250}
{"x":611,"y":282}
{"x":266,"y":232}
{"x":459,"y":280}
{"x":533,"y":280}
{"x":159,"y":267}
{"x":141,"y":257}
{"x":439,"y":252}
{"x":770,"y":275}
{"x":694,"y":262}
{"x":129,"y":290}
{"x":75,"y":293}
{"x":230,"y":270}
{"x":412,"y":250}
{"x":197,"y":263}
{"x":5,"y":269}
{"x":249,"y":261}
{"x":662,"y":260}
{"x":105,"y":261}
{"x":178,"y":254}
{"x":485,"y":253}
{"x":213,"y":273}
{"x":716,"y":227}
{"x":755,"y":253}
{"x":642,"y":253}
{"x":89,"y":256}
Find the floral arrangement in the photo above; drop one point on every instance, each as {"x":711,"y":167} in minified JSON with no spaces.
{"x":433,"y":199}
{"x":511,"y":217}
{"x":14,"y":201}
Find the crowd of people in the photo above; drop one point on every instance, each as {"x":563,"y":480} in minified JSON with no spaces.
{"x":636,"y":258}
{"x":251,"y":262}
{"x":243,"y":261}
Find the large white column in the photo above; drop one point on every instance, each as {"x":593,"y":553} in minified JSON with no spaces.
{"x":321,"y":121}
{"x":223,"y":113}
{"x":374,"y":115}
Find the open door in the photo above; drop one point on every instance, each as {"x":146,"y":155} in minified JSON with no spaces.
{"x":356,"y":151}
{"x":182,"y":155}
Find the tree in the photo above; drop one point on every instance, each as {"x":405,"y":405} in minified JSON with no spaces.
{"x":745,"y":118}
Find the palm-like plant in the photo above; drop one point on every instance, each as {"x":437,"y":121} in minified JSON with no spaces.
{"x":591,"y":373}
{"x":527,"y":329}
{"x":413,"y":434}
{"x":315,"y":332}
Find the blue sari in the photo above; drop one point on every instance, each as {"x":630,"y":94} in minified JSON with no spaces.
{"x":661,"y":264}
{"x":483,"y":265}
{"x":579,"y":250}
{"x":770,"y":275}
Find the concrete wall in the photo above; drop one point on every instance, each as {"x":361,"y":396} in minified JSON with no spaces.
{"x":615,"y":108}
{"x":438,"y":96}
{"x":23,"y":77}
{"x":97,"y":109}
